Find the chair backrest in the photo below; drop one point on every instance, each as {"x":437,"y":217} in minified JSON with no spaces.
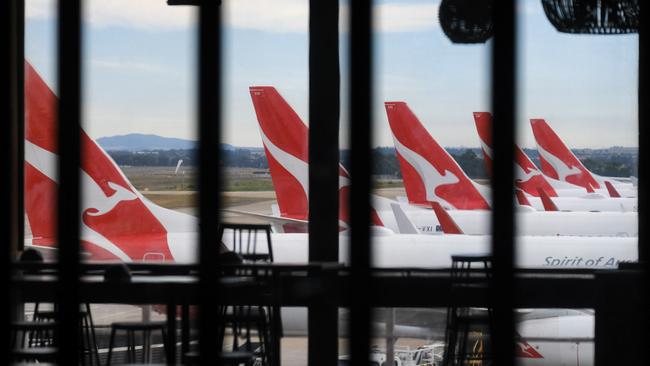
{"x":469,"y":268}
{"x":250,"y":241}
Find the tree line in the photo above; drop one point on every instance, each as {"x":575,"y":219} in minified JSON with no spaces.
{"x":384,"y":163}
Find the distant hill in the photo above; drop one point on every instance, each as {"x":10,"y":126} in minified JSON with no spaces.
{"x":142,"y":142}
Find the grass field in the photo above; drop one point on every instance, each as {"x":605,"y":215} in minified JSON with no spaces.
{"x":147,"y":179}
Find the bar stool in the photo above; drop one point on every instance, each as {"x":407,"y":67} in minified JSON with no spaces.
{"x":243,"y":319}
{"x":32,"y":342}
{"x":89,"y":350}
{"x":131,"y":328}
{"x":468,"y":271}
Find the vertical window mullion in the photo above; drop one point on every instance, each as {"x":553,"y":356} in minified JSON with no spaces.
{"x":503,"y":224}
{"x":209,"y":108}
{"x":360,"y":170}
{"x":69,"y":194}
{"x":8,"y":158}
{"x":20,"y":119}
{"x":644,"y":134}
{"x":644,"y":155}
{"x":324,"y":113}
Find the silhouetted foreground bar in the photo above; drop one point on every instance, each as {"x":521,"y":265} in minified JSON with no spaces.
{"x":209,"y":82}
{"x":299,"y":285}
{"x":504,"y":106}
{"x":9,"y":159}
{"x":69,"y":118}
{"x":360,"y":164}
{"x":324,"y":104}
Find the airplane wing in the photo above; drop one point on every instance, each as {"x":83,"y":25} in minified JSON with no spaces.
{"x":277,"y":221}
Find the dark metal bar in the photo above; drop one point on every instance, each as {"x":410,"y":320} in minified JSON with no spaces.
{"x":171,"y":333}
{"x":644,"y":135}
{"x":68,"y":218}
{"x":324,"y":105}
{"x":209,"y":83}
{"x":185,"y":330}
{"x":503,"y":134}
{"x":20,"y":121}
{"x":360,"y":163}
{"x":324,"y":113}
{"x":8,"y":158}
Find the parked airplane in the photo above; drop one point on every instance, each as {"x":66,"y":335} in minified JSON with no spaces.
{"x":559,"y":162}
{"x":431,"y":174}
{"x":288,"y":163}
{"x":528,"y":178}
{"x":546,"y":336}
{"x":118,"y":223}
{"x":285,"y":138}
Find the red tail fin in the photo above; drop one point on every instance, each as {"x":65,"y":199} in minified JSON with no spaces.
{"x":286,"y":144}
{"x":429,"y":172}
{"x":40,"y":184}
{"x":521,"y":198}
{"x":528,"y":178}
{"x":285,"y":139}
{"x":116,"y":222}
{"x":548,"y":203}
{"x":447,"y":224}
{"x":557,"y":160}
{"x":611,"y":190}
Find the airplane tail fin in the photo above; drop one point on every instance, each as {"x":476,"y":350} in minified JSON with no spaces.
{"x":611,"y":190}
{"x":447,"y":224}
{"x":40,"y":179}
{"x":557,"y":160}
{"x":114,"y":215}
{"x":528,"y":177}
{"x":285,"y":138}
{"x":428,"y":171}
{"x":404,"y":224}
{"x":547,"y":202}
{"x":286,"y":145}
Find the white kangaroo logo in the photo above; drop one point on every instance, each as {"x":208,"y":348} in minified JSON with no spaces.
{"x":298,"y":168}
{"x":561,"y":168}
{"x":523,"y":175}
{"x":430,"y":176}
{"x":94,"y":199}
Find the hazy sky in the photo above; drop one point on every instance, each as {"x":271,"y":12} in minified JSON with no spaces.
{"x":140,"y":70}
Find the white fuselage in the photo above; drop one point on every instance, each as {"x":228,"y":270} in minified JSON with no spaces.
{"x":586,"y":202}
{"x":565,"y":340}
{"x":529,"y":223}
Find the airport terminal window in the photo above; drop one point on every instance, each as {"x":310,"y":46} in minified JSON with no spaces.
{"x":427,"y":95}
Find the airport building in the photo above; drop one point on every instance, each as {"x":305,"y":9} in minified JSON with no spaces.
{"x":305,"y":182}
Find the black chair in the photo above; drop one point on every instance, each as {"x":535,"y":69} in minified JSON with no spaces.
{"x":246,"y":243}
{"x":469,"y":272}
{"x":33,"y":342}
{"x":131,"y":328}
{"x":89,"y":350}
{"x":252,"y":244}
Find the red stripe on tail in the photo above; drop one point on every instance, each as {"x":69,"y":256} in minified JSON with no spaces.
{"x":447,"y":224}
{"x":521,"y":198}
{"x":547,"y":202}
{"x":611,"y":190}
